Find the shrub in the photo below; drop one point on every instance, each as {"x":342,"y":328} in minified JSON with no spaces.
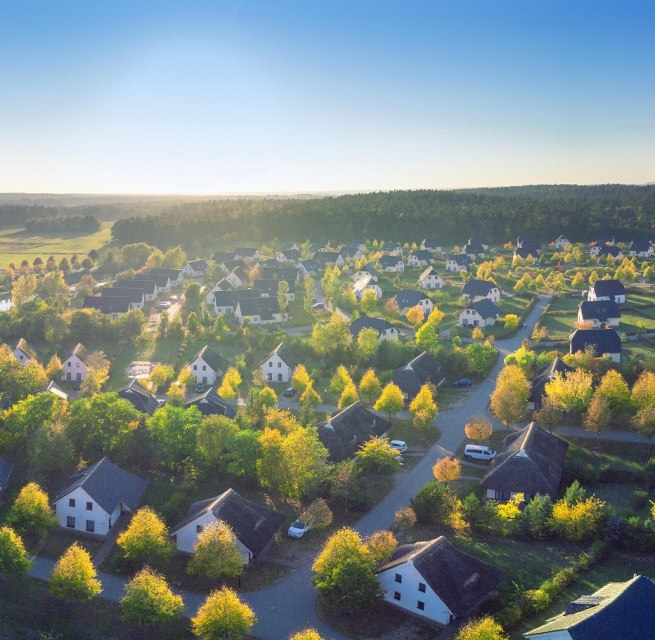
{"x":404,"y":519}
{"x":433,"y":504}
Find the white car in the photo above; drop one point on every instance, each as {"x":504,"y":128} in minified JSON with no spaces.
{"x":298,"y":529}
{"x":399,"y":445}
{"x":479,"y":452}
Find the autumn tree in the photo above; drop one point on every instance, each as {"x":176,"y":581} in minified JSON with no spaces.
{"x":344,"y":572}
{"x":376,"y":456}
{"x":317,"y":514}
{"x":146,"y":538}
{"x":478,"y":428}
{"x":31,"y":513}
{"x":340,"y":380}
{"x":282,"y":300}
{"x":436,"y":317}
{"x":307,"y":634}
{"x":223,"y":616}
{"x":509,"y":399}
{"x":426,"y":337}
{"x":369,"y":386}
{"x":230,"y":383}
{"x":571,"y":391}
{"x":14,"y":561}
{"x":382,"y":545}
{"x":599,"y":415}
{"x":367,"y":344}
{"x":511,"y":321}
{"x":614,"y":389}
{"x":484,"y":629}
{"x":74,"y":576}
{"x":404,"y":519}
{"x":577,"y":521}
{"x":300,"y":378}
{"x":308,"y":400}
{"x":216,"y":553}
{"x":54,"y":369}
{"x":369,"y":301}
{"x":391,"y":400}
{"x":423,"y":408}
{"x":148,"y":600}
{"x":447,"y":470}
{"x":348,"y":396}
{"x":415,"y":316}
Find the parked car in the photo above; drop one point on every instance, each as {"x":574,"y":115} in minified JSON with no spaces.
{"x":479,"y":452}
{"x":199,"y":388}
{"x":173,"y":298}
{"x":298,"y":529}
{"x":162,"y":306}
{"x":398,"y":445}
{"x":462,"y":383}
{"x":290,"y":392}
{"x":318,"y":307}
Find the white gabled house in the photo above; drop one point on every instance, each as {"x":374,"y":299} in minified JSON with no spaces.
{"x":194,"y":268}
{"x":391,"y":264}
{"x":207,"y":366}
{"x":385,"y":330}
{"x":482,"y":313}
{"x":475,"y":290}
{"x":435,"y":581}
{"x":607,"y":290}
{"x":259,"y":311}
{"x":430,"y":280}
{"x":23,"y":352}
{"x":74,"y":364}
{"x":420,"y":258}
{"x":406,"y":299}
{"x":365,"y":271}
{"x":561,"y":242}
{"x":175,"y":275}
{"x":278,"y":365}
{"x":366,"y":284}
{"x":432,"y":245}
{"x":254,"y":526}
{"x":94,"y":499}
{"x":458,"y":262}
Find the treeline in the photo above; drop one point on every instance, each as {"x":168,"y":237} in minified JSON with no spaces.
{"x":499,"y":215}
{"x":51,"y":224}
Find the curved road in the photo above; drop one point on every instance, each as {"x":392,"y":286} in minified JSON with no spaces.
{"x":290,"y":605}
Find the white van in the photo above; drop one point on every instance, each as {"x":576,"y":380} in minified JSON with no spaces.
{"x":479,"y":452}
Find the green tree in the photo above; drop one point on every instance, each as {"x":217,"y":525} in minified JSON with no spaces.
{"x":74,"y":576}
{"x":369,"y":387}
{"x":282,"y":300}
{"x":537,"y":515}
{"x":391,"y":400}
{"x":367,"y":344}
{"x":148,"y":600}
{"x":173,"y":431}
{"x":369,"y":301}
{"x":146,"y":538}
{"x":614,"y":389}
{"x":426,"y":337}
{"x":332,"y":338}
{"x":160,"y":375}
{"x":340,"y":380}
{"x":376,"y":456}
{"x":308,"y":299}
{"x":434,"y":503}
{"x":509,"y":399}
{"x":213,"y":439}
{"x":31,"y":513}
{"x":223,"y":616}
{"x":14,"y":560}
{"x":216,"y":553}
{"x":348,"y":396}
{"x":344,"y":572}
{"x":423,"y":408}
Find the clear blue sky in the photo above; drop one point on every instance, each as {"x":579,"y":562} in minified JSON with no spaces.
{"x":324,"y":95}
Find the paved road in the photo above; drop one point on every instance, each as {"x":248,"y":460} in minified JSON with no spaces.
{"x":290,"y":605}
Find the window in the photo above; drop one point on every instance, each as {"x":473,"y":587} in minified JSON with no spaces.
{"x":91,"y":526}
{"x":70,"y":522}
{"x":195,"y":367}
{"x":279,"y":365}
{"x":69,"y":363}
{"x":421,"y":587}
{"x":204,"y":367}
{"x":398,"y":578}
{"x":89,"y":506}
{"x":198,"y":528}
{"x":270,"y":376}
{"x":270,"y":363}
{"x":71,"y":502}
{"x":68,"y":375}
{"x":420,"y":605}
{"x":396,"y":595}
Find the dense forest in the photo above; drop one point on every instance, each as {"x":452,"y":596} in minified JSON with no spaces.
{"x":498,"y":214}
{"x":62,"y":224}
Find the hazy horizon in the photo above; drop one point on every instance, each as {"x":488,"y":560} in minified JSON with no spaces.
{"x":230,"y":98}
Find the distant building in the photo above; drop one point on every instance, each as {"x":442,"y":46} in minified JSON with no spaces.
{"x":23,"y":352}
{"x":74,"y":363}
{"x":278,"y":366}
{"x":607,"y":290}
{"x":605,"y":342}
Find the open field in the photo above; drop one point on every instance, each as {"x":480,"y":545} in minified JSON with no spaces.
{"x":17,"y":244}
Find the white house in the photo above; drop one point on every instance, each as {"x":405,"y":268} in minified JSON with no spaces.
{"x":391,"y":264}
{"x":74,"y":364}
{"x":482,"y":313}
{"x":207,"y":366}
{"x":23,"y":352}
{"x":175,"y":275}
{"x":254,"y":526}
{"x":194,"y":269}
{"x":409,"y":298}
{"x":475,"y":290}
{"x":278,"y":366}
{"x":642,"y":249}
{"x":163,"y":282}
{"x":599,"y":313}
{"x":607,"y":290}
{"x":420,"y":258}
{"x":458,"y":262}
{"x":94,"y":498}
{"x":435,"y":581}
{"x":430,"y":279}
{"x":562,"y":242}
{"x":432,"y":245}
{"x":366,"y":270}
{"x":366,"y":284}
{"x":259,"y":311}
{"x":237,"y":277}
{"x":386,"y":331}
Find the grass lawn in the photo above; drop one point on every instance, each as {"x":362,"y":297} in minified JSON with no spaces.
{"x":27,"y":611}
{"x":17,"y":244}
{"x":59,"y":540}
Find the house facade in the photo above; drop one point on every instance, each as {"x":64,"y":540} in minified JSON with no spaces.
{"x":207,"y":366}
{"x":475,"y":290}
{"x":607,"y":290}
{"x":430,"y":280}
{"x":74,"y":365}
{"x":482,"y":313}
{"x":278,"y":366}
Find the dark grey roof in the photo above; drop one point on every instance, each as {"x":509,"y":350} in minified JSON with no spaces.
{"x":422,"y":254}
{"x":543,"y":376}
{"x":161,"y":280}
{"x":198,"y":265}
{"x":78,"y":350}
{"x":461,"y":259}
{"x":640,"y":245}
{"x":409,"y":298}
{"x":107,"y":305}
{"x":25,"y":347}
{"x":460,"y":580}
{"x":210,"y":403}
{"x":291,"y":254}
{"x":389,"y":261}
{"x":173,"y":274}
{"x":366,"y":322}
{"x":140,"y":398}
{"x":476,"y":287}
{"x":269,"y":287}
{"x":602,"y":340}
{"x":603,"y":238}
{"x":423,"y":369}
{"x":428,"y":272}
{"x":222,"y":256}
{"x":132,"y":294}
{"x":252,"y":524}
{"x":369,"y":268}
{"x":6,"y":467}
{"x":231,"y":297}
{"x":147,"y":286}
{"x":108,"y":485}
{"x":525,"y":253}
{"x":533,"y":247}
{"x":311,"y":266}
{"x":601,"y":310}
{"x":477,"y":240}
{"x":608,"y":288}
{"x":431,"y":242}
{"x":486,"y":308}
{"x":287,"y":355}
{"x":617,"y":611}
{"x":531,"y":461}
{"x":607,"y":250}
{"x":346,"y":431}
{"x":290,"y":274}
{"x":263,"y":307}
{"x":247,"y":252}
{"x":216,"y":361}
{"x":473,"y":249}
